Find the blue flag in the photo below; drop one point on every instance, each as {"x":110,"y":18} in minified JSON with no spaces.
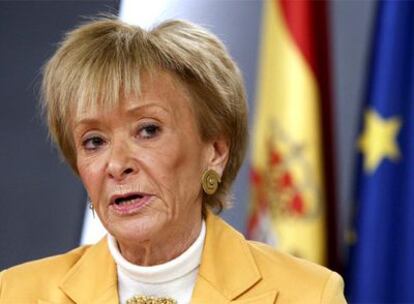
{"x":381,"y":263}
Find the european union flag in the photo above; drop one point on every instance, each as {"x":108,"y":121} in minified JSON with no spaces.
{"x":381,"y":264}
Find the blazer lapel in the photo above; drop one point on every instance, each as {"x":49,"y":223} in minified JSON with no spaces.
{"x":266,"y":298}
{"x":228,"y":272}
{"x":93,"y":278}
{"x":228,"y":269}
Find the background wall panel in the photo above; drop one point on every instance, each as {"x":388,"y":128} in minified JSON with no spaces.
{"x":41,"y":201}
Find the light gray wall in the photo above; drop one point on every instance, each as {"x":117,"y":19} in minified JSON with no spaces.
{"x":351,"y":24}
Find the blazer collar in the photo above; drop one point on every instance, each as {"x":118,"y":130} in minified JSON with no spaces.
{"x":228,"y":268}
{"x":93,"y":278}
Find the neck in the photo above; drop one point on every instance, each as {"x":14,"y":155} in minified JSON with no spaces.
{"x":163,"y":249}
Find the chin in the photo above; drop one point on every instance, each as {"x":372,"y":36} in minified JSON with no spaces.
{"x":136,"y":229}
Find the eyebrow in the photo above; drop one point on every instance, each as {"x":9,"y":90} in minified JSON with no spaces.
{"x":140,"y":108}
{"x":130,"y":111}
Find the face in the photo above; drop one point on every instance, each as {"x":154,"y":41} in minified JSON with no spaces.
{"x":142,"y":162}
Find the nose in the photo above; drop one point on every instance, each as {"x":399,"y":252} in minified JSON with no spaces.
{"x":121,"y":162}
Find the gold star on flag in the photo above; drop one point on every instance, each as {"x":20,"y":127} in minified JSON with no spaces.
{"x":379,"y":140}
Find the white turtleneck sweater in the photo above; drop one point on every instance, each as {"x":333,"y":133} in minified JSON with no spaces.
{"x":175,"y":278}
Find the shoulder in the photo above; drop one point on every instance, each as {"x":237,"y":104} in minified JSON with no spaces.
{"x":299,"y":278}
{"x":295,"y":280}
{"x":267,"y":256}
{"x":53,"y":266}
{"x":39,"y":276}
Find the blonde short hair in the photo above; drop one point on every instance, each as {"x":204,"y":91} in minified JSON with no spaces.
{"x":104,"y":59}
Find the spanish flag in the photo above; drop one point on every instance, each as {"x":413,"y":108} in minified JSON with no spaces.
{"x":291,"y":172}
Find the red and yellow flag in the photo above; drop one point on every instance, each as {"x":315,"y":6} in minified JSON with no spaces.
{"x":289,"y":166}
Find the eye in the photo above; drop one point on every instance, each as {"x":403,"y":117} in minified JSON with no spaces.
{"x":148,"y":131}
{"x":93,"y":143}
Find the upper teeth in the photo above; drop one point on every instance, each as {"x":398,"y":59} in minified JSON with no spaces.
{"x":127,"y":199}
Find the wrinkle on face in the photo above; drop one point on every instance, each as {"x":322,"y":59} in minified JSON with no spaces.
{"x":167,"y":167}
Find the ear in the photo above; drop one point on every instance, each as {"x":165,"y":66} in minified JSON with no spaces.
{"x":218,"y":155}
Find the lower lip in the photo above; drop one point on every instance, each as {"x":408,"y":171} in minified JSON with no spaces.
{"x":132,"y":207}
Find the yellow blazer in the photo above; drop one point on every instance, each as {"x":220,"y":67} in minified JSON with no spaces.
{"x":232,"y":270}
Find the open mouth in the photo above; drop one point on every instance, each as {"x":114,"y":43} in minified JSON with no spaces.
{"x":129,"y":199}
{"x":129,"y":203}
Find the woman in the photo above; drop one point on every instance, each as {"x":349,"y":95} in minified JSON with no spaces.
{"x":155,"y":125}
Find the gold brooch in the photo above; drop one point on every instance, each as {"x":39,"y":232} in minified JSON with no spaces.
{"x":150,"y":300}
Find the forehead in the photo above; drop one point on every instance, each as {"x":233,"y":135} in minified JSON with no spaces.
{"x":164,"y":87}
{"x":160,"y":89}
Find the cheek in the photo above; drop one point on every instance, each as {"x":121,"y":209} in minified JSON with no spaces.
{"x":91,"y":174}
{"x":166,"y":156}
{"x":173,"y":168}
{"x":184,"y":168}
